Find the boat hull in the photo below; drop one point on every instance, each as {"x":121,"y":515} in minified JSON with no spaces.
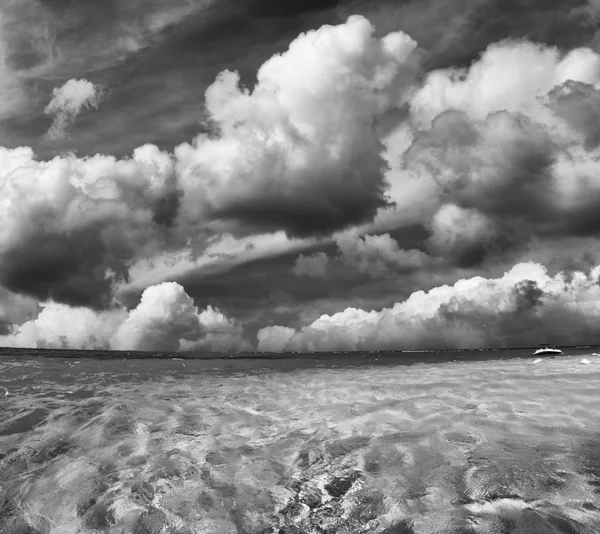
{"x":547,"y":352}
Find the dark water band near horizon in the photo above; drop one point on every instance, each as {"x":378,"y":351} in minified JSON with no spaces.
{"x":426,"y":443}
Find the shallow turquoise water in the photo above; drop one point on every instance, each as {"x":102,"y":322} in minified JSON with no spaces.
{"x":328,"y":446}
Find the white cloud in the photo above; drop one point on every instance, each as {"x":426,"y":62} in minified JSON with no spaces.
{"x":66,"y":223}
{"x":64,"y":327}
{"x":68,"y":101}
{"x":459,"y":231}
{"x":299,"y":152}
{"x":525,"y":306}
{"x":166,"y":319}
{"x":500,"y":146}
{"x":510,"y":76}
{"x":313,"y":265}
{"x":274,"y":338}
{"x":378,"y":255}
{"x":502,"y":150}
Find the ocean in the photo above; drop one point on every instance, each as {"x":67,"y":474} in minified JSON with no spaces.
{"x":425,"y":443}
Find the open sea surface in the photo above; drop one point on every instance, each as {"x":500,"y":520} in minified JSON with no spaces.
{"x":454,"y":443}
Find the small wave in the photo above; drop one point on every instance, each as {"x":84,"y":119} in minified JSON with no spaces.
{"x":480,"y":446}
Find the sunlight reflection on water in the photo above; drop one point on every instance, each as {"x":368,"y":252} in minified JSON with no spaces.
{"x":482,"y":446}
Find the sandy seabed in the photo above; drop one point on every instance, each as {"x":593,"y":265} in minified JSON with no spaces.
{"x":165,"y":446}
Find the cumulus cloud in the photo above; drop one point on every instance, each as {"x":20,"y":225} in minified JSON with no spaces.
{"x":274,"y":338}
{"x":63,"y":327}
{"x":69,"y":227}
{"x":166,"y":319}
{"x":68,"y":101}
{"x":299,"y":152}
{"x":15,"y":308}
{"x":503,"y":151}
{"x":579,"y":105}
{"x":523,"y":307}
{"x":378,"y":255}
{"x":461,"y":233}
{"x":510,"y":76}
{"x":491,"y":156}
{"x":313,"y":265}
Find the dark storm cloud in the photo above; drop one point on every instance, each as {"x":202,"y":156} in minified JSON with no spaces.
{"x":69,"y":269}
{"x":5,"y":327}
{"x":529,"y":295}
{"x":311,"y":213}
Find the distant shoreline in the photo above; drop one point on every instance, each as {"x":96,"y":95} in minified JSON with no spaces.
{"x":388,"y":355}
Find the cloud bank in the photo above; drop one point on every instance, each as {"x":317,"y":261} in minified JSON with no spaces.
{"x":68,"y":101}
{"x":524,"y":306}
{"x":166,"y":319}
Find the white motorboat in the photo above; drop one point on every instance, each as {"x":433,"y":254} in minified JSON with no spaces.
{"x":545,"y":350}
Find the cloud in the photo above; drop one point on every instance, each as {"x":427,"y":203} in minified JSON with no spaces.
{"x":64,"y":327}
{"x":489,"y":158}
{"x":509,"y":76}
{"x":378,"y":255}
{"x":524,"y":307}
{"x":15,"y":309}
{"x":70,"y":227}
{"x":12,"y":97}
{"x":274,"y":338}
{"x":500,"y":153}
{"x":299,"y":153}
{"x":461,"y":233}
{"x":166,"y":319}
{"x":68,"y":101}
{"x":313,"y":265}
{"x":57,"y":38}
{"x":579,"y":105}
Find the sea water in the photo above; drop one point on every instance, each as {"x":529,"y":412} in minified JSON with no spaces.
{"x":346,"y":444}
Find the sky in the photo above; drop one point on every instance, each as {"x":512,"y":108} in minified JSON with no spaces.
{"x":300,"y":176}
